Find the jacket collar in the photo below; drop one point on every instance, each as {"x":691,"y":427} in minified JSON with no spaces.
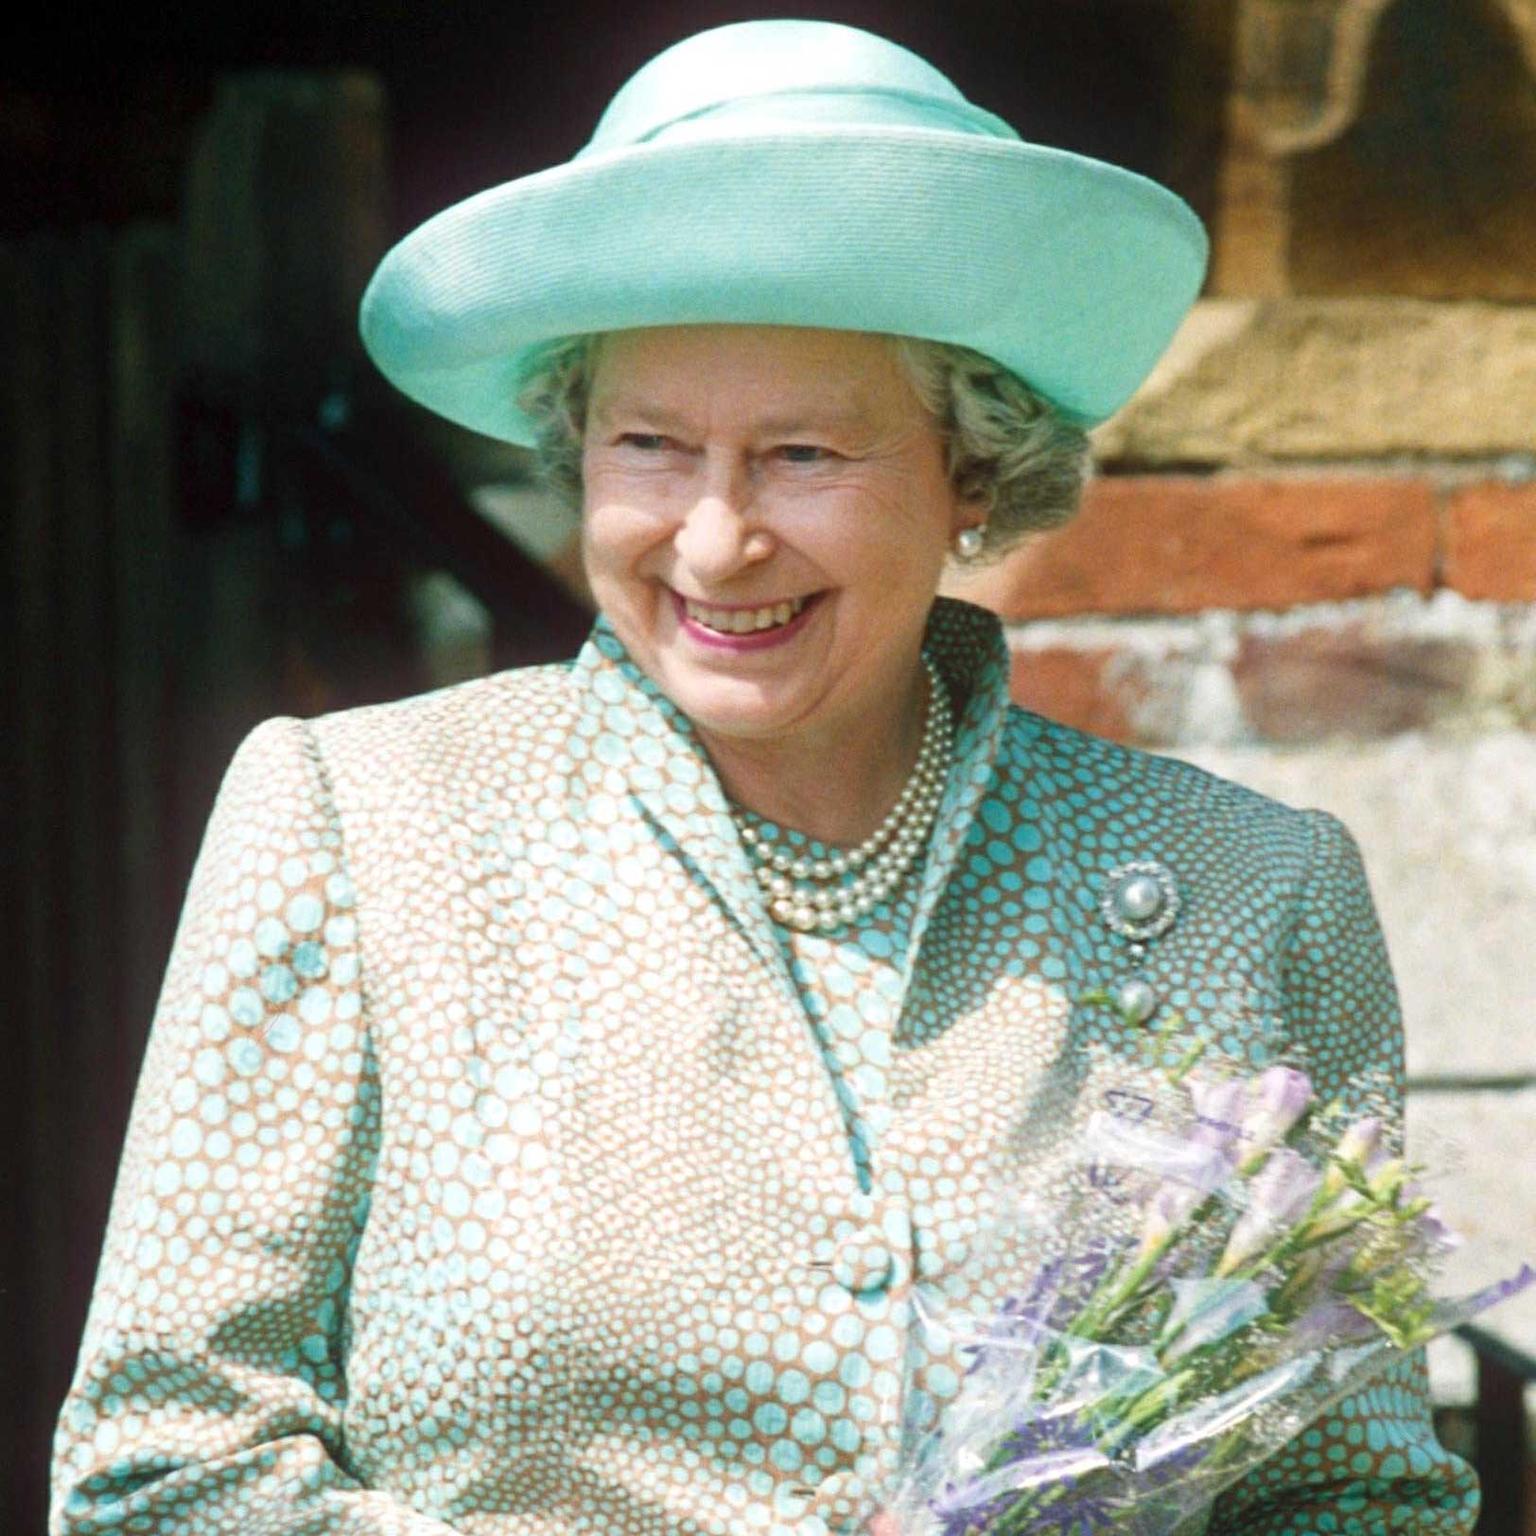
{"x":971,"y":651}
{"x":631,"y":725}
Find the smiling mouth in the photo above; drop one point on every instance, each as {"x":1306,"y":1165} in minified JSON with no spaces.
{"x":744,"y":621}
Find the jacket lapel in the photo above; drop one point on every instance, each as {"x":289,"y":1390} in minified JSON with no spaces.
{"x":631,"y":724}
{"x":969,"y":647}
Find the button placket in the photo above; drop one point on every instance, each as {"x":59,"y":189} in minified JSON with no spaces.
{"x":868,"y":1255}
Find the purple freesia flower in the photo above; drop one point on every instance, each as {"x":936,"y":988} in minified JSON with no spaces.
{"x":1218,"y":1104}
{"x":1314,"y":1273}
{"x":1281,"y":1191}
{"x":1361,"y":1145}
{"x":1170,"y":1207}
{"x":1276,"y":1100}
{"x":1327,"y":1323}
{"x":1423,"y":1235}
{"x":1431,"y":1233}
{"x":1205,"y":1164}
{"x":1191,"y":1163}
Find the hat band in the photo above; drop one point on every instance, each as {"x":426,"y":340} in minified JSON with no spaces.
{"x":849,"y":107}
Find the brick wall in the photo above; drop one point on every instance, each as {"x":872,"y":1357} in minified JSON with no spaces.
{"x":1279,"y":605}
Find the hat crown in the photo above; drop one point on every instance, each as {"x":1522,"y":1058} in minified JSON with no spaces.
{"x":759,"y":75}
{"x":793,"y":173}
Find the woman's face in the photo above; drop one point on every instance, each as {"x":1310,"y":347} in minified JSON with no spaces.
{"x":766,"y":517}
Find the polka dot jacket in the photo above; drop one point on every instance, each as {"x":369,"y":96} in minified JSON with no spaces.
{"x":498,"y":1166}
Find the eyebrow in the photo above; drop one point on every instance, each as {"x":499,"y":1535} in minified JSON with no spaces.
{"x":834,"y":418}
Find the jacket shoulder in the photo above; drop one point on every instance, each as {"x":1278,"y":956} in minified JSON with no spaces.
{"x":1100,"y":769}
{"x":482,"y":727}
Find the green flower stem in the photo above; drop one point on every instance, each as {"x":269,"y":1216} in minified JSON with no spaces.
{"x":1100,"y":1312}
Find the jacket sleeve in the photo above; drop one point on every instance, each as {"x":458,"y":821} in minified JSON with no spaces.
{"x":209,"y":1391}
{"x":1372,"y":1463}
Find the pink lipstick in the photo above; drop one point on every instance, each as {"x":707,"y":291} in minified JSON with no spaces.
{"x":754,"y":640}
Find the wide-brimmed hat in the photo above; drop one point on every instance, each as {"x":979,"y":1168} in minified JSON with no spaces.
{"x":794,"y":173}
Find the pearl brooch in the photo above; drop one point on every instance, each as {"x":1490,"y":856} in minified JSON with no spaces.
{"x":1139,"y":902}
{"x":824,"y":894}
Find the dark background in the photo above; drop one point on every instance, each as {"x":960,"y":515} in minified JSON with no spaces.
{"x":95,"y":117}
{"x":128,"y":684}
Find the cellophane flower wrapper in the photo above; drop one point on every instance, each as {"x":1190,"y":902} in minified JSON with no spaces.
{"x":1208,"y":1262}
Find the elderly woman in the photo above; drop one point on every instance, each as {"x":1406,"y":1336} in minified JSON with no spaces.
{"x":567,"y":1084}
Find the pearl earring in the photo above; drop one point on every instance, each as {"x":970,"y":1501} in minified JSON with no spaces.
{"x":969,"y":543}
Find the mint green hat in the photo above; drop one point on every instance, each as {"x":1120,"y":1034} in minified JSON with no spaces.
{"x":794,"y":173}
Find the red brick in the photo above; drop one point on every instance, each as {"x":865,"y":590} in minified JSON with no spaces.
{"x":1346,"y":683}
{"x":1180,"y":544}
{"x":1490,"y":542}
{"x":1075,"y":687}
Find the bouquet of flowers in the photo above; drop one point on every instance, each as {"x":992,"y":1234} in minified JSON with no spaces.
{"x":1221,"y":1259}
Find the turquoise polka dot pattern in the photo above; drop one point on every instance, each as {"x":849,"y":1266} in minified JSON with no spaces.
{"x":498,"y":1168}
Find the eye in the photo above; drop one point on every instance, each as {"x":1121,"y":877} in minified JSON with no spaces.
{"x":805,"y":453}
{"x":646,"y":442}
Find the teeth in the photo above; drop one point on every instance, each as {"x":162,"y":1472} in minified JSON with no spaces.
{"x":743,"y":621}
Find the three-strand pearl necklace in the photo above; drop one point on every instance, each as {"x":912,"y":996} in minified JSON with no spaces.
{"x":810,"y":894}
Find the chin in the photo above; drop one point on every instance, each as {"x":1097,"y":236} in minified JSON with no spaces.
{"x":730,"y":706}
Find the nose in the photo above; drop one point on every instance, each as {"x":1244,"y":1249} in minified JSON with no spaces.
{"x":720,"y":533}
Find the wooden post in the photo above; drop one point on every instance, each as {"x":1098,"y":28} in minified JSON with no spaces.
{"x":1298,"y":69}
{"x":1501,"y":1448}
{"x":31,"y":729}
{"x":284,"y":220}
{"x":142,"y":374}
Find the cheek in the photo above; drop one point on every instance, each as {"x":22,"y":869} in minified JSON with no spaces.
{"x":892,"y":552}
{"x":613,"y":538}
{"x":625,"y":517}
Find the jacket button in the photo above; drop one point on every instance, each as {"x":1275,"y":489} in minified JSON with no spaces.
{"x":864,"y":1261}
{"x":869,"y":1250}
{"x":847,"y":1499}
